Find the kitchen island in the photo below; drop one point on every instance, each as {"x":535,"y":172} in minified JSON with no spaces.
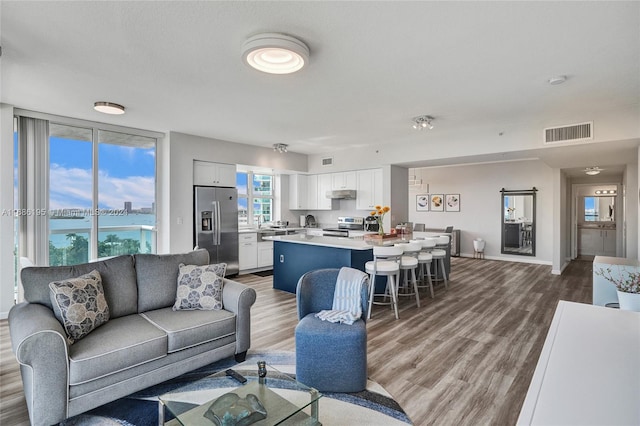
{"x":295,"y":255}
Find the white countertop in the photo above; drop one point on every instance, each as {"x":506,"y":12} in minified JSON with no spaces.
{"x":255,"y":230}
{"x":354,"y":243}
{"x":588,"y":371}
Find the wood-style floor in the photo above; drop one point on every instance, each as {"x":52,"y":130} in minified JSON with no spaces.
{"x":463,"y":358}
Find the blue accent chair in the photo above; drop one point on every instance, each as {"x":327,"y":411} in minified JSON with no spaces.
{"x":330,"y":357}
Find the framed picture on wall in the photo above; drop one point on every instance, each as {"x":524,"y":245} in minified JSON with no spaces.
{"x":422,"y":202}
{"x":452,"y":202}
{"x":437,"y":203}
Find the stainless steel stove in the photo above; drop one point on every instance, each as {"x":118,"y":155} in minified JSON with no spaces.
{"x":345,"y":224}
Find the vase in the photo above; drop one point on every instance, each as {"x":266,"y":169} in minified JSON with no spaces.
{"x":629,"y":301}
{"x":380,"y":230}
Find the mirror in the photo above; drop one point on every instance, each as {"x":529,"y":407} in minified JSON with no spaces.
{"x":519,"y":222}
{"x":599,"y":209}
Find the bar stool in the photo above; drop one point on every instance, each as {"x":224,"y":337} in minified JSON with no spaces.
{"x":409,"y":262}
{"x":424,"y":263}
{"x":385,"y":263}
{"x":438,"y":254}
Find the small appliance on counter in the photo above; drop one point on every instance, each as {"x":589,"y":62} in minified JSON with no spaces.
{"x":371,"y":224}
{"x":345,"y":224}
{"x":310,"y":221}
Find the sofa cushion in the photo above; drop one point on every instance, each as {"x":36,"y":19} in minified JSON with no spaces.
{"x":79,"y":304}
{"x":157,"y":276}
{"x":118,"y":281}
{"x":199,"y":287}
{"x":119,"y":344}
{"x":190,"y":328}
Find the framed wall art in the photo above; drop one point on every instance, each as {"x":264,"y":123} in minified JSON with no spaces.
{"x":422,"y":202}
{"x":452,"y":202}
{"x":437,"y":203}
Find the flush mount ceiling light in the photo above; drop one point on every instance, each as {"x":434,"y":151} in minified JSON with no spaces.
{"x":422,"y":122}
{"x":275,"y":53}
{"x":557,"y":80}
{"x":108,"y":108}
{"x":592,"y":171}
{"x":280,"y":147}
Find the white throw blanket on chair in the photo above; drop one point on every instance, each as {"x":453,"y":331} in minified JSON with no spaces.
{"x":347,"y":305}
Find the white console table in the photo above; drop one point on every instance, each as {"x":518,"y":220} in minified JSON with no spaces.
{"x":589,"y":370}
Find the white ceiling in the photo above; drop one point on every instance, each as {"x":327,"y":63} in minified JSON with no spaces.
{"x":176,"y":66}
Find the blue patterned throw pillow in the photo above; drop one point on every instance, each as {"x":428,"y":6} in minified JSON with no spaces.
{"x":200,"y":287}
{"x":79,"y":304}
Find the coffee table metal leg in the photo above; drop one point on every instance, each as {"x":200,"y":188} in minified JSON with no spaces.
{"x":160,"y":413}
{"x":314,"y":405}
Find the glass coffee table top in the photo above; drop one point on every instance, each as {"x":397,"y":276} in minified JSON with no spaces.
{"x":282,"y":397}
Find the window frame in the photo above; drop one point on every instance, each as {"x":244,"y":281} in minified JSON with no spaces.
{"x":41,"y":236}
{"x":251,"y":195}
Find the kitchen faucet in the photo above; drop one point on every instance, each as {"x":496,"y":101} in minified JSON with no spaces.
{"x":259,"y":221}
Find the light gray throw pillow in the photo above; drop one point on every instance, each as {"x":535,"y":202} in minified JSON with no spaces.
{"x":79,"y":304}
{"x":200,"y":287}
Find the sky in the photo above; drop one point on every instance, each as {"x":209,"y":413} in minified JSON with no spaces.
{"x":125,"y":174}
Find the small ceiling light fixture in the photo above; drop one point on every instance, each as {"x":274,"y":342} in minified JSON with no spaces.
{"x":108,"y":108}
{"x":592,"y":171}
{"x":275,"y":53}
{"x":280,"y":147}
{"x":606,"y":192}
{"x":557,"y":80}
{"x":422,"y":122}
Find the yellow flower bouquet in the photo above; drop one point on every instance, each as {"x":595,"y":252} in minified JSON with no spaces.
{"x":378,"y":214}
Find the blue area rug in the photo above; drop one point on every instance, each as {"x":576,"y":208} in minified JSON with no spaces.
{"x":141,"y":408}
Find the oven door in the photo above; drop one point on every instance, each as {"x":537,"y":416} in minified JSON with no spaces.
{"x":335,"y":233}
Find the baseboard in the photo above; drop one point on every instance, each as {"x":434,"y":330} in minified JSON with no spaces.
{"x":520,"y":259}
{"x":4,"y":315}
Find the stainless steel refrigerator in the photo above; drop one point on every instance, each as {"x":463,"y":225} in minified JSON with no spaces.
{"x":216,"y":224}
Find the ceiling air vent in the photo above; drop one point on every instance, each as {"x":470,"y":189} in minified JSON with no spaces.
{"x":571,"y":133}
{"x":327,"y":161}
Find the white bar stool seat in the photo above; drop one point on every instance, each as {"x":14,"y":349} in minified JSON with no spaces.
{"x":385,"y":263}
{"x":424,"y":262}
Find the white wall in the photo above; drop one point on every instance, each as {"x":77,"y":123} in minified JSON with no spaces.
{"x":7,"y":259}
{"x":183,"y":149}
{"x":480,"y":203}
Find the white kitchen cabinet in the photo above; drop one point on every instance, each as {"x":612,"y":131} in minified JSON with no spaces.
{"x":298,"y":188}
{"x":343,"y":180}
{"x":324,"y":185}
{"x":214,"y":174}
{"x":368,"y":189}
{"x":312,"y":192}
{"x":597,"y":242}
{"x":247,"y":250}
{"x":265,"y":254}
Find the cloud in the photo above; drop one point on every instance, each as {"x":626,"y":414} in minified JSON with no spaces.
{"x":72,"y":188}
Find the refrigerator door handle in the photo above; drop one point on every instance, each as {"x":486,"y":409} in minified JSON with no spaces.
{"x":216,"y":208}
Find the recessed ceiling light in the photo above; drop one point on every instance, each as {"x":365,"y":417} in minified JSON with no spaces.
{"x":557,"y":80}
{"x":275,"y":53}
{"x":108,"y":108}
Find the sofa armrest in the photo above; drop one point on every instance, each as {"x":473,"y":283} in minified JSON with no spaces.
{"x":40,"y":346}
{"x":238,"y":298}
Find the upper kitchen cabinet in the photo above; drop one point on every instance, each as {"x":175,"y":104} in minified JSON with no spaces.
{"x":368,"y":189}
{"x":298,"y":189}
{"x":214,"y":174}
{"x":343,"y":180}
{"x":325,"y":183}
{"x":309,"y":192}
{"x":312,"y":192}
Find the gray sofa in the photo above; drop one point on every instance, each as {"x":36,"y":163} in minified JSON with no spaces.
{"x":144,"y":342}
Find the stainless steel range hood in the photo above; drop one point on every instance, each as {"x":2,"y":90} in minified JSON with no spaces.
{"x":342,"y":194}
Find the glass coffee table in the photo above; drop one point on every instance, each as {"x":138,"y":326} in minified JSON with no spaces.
{"x":283,"y":398}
